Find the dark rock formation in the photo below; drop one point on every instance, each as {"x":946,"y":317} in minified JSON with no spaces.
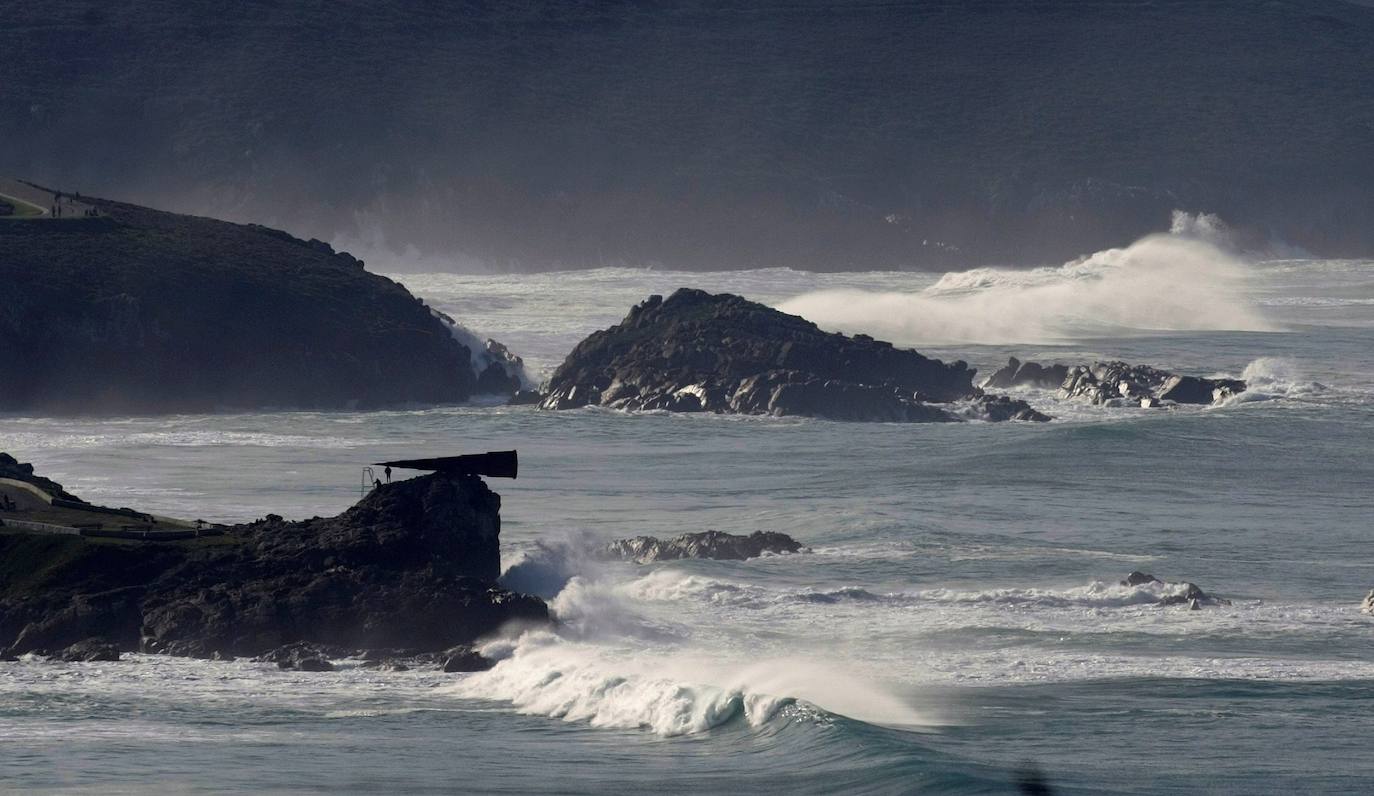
{"x":706,"y":544}
{"x":1115,"y":382}
{"x":92,"y":649}
{"x":410,"y":566}
{"x":303,"y":656}
{"x":1017,"y":374}
{"x":1191,"y":595}
{"x":141,"y":310}
{"x":1118,"y":382}
{"x":465,"y":659}
{"x":998,"y":408}
{"x":696,"y":352}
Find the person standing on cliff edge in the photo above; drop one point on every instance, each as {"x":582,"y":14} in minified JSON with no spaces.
{"x":388,"y":473}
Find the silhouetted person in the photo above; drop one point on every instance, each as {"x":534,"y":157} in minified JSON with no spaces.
{"x":376,"y":483}
{"x":388,"y":474}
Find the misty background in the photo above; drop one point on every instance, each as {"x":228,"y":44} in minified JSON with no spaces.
{"x":483,"y":136}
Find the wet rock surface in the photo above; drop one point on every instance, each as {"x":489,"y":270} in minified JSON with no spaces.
{"x":92,"y":649}
{"x":1182,"y":593}
{"x":706,"y":544}
{"x":701,"y":352}
{"x":1115,"y":383}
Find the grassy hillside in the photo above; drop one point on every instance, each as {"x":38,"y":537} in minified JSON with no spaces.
{"x":710,"y":134}
{"x":141,"y":310}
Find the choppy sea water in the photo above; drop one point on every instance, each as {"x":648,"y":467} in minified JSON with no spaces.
{"x":960,"y":614}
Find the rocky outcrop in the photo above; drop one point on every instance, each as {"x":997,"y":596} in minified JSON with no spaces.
{"x":698,"y":352}
{"x":145,"y":311}
{"x":999,"y":408}
{"x":411,"y":566}
{"x":1368,"y":605}
{"x":706,"y":544}
{"x":1022,"y":374}
{"x":1115,"y":383}
{"x":1109,"y":383}
{"x":1189,"y":594}
{"x":465,"y":659}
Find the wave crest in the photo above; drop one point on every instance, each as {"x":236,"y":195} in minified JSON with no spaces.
{"x":1168,"y":282}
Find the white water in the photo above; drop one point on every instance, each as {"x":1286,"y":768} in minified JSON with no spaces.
{"x":1167,"y":282}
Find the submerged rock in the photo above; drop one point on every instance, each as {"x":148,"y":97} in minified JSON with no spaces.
{"x":465,"y":659}
{"x":706,"y":544}
{"x":92,"y":649}
{"x":699,"y":352}
{"x":303,"y":656}
{"x":1190,"y":595}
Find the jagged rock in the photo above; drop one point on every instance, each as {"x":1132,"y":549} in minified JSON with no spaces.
{"x":1017,"y":374}
{"x":1368,"y":605}
{"x":1117,"y":383}
{"x":411,"y":566}
{"x":92,"y":649}
{"x":465,"y":659}
{"x":698,"y":352}
{"x":706,"y":544}
{"x":1138,"y":578}
{"x":999,"y":408}
{"x":1195,"y":390}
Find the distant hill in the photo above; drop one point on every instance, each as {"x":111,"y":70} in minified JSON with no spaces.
{"x":143,"y":311}
{"x":922,"y":134}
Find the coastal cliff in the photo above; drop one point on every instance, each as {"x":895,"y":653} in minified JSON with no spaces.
{"x":411,"y":566}
{"x":145,"y":311}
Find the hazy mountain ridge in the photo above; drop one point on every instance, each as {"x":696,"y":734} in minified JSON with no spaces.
{"x":712,"y":135}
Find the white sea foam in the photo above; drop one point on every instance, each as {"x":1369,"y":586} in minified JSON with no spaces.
{"x":671,"y":691}
{"x":1184,"y":280}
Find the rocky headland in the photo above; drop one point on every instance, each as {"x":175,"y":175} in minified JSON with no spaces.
{"x":411,"y":567}
{"x":702,"y":352}
{"x":140,"y":310}
{"x":1116,"y":383}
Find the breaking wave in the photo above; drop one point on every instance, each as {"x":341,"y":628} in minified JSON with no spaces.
{"x":1187,"y":279}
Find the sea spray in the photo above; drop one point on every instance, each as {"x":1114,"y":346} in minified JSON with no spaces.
{"x":1172,"y":282}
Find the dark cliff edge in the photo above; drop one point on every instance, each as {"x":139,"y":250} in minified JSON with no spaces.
{"x":702,"y":352}
{"x":145,"y":311}
{"x":411,"y":566}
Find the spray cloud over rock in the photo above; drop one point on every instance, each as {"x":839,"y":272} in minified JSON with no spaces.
{"x":1185,"y":280}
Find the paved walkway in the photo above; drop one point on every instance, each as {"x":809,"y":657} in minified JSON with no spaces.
{"x":45,"y":201}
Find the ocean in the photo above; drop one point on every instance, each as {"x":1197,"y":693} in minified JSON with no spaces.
{"x":960,"y":619}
